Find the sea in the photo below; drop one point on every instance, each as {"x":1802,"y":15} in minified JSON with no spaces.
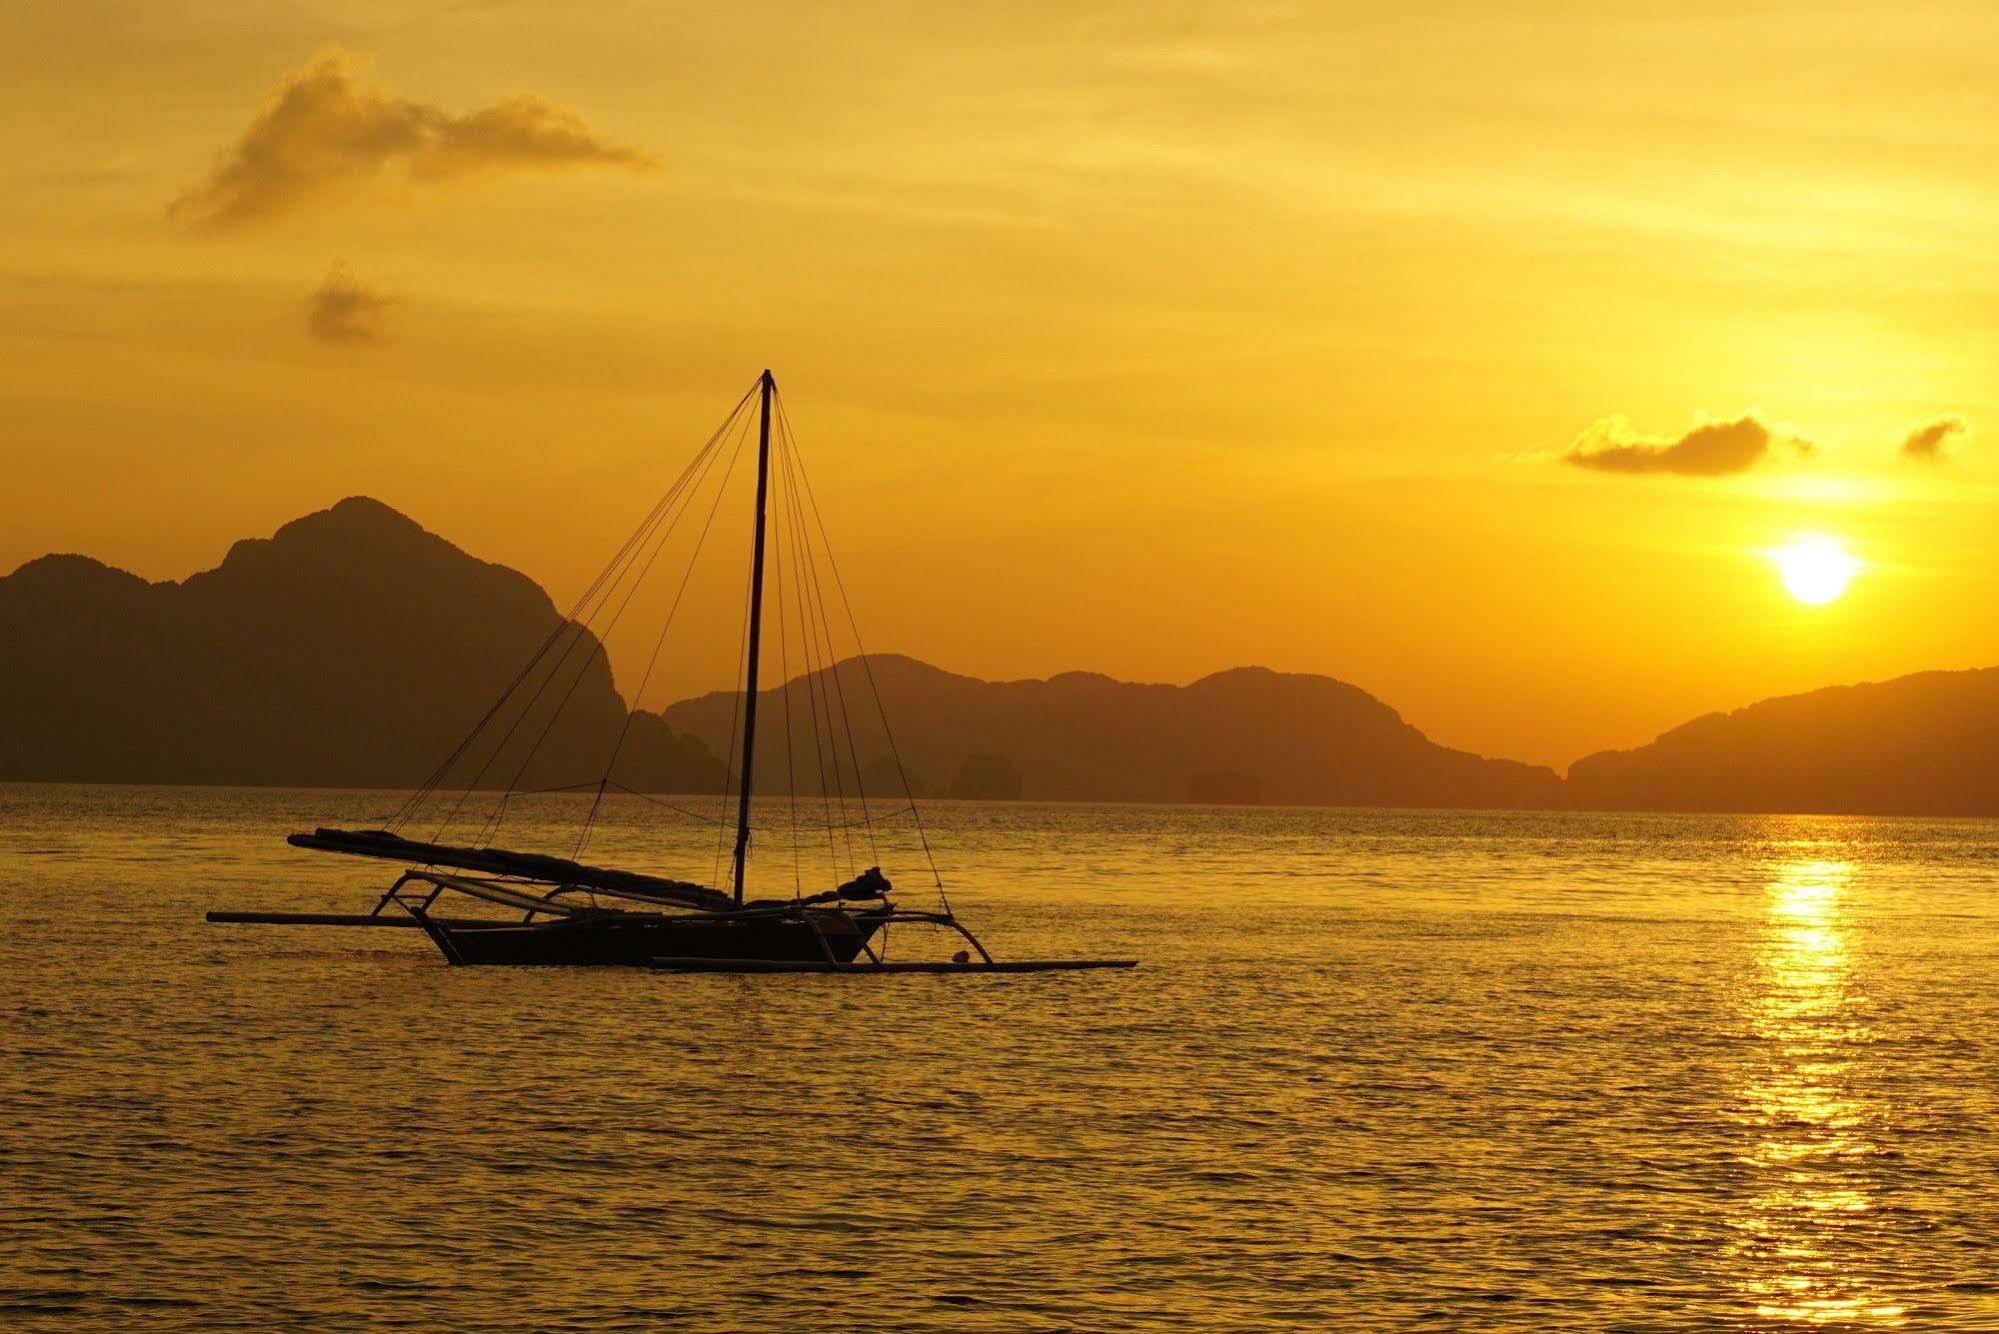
{"x":1376,"y":1070}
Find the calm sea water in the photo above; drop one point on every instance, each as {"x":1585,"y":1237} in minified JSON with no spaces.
{"x":1379,"y":1070}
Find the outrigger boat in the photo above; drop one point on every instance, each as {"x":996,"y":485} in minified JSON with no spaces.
{"x":563,"y":911}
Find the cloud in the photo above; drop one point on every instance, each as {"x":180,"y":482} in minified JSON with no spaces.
{"x":1928,"y":442}
{"x":1709,"y":449}
{"x":342,"y":310}
{"x":325,"y":130}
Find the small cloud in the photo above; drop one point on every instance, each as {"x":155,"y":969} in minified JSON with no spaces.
{"x":1709,"y":449}
{"x":522,"y":131}
{"x":1928,"y":443}
{"x":325,"y":129}
{"x":342,"y":310}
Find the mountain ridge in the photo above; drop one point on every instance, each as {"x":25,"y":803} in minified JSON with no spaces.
{"x":1300,"y":738}
{"x":1917,"y":744}
{"x":353,"y":647}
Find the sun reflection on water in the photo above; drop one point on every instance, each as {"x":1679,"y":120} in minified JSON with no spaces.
{"x":1805,"y":1226}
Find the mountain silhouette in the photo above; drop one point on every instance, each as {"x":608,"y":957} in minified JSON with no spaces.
{"x":352,"y":648}
{"x":1915,"y":745}
{"x":355,"y":649}
{"x":1286,"y":738}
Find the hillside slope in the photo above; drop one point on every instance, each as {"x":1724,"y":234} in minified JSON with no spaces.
{"x":351,"y":648}
{"x":1249,"y":734}
{"x":1926,"y":744}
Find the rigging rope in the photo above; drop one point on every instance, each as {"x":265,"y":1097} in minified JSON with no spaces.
{"x":735,"y":718}
{"x":570,"y":622}
{"x":652,"y":662}
{"x":819,"y":602}
{"x":800,"y":540}
{"x":647,"y":796}
{"x":895,"y":752}
{"x":812,"y":623}
{"x":597,"y":648}
{"x":790,"y":763}
{"x":812,"y":697}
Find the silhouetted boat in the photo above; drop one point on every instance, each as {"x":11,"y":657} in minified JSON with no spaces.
{"x":572,"y":913}
{"x":660,"y":918}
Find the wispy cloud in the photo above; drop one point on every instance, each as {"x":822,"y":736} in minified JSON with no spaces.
{"x":1708,"y":449}
{"x":1929,"y":443}
{"x":325,"y":130}
{"x":343,"y":310}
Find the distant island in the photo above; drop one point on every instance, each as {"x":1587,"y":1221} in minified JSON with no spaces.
{"x":1244,"y":735}
{"x":350,"y":649}
{"x":1917,"y":745}
{"x":353,"y":649}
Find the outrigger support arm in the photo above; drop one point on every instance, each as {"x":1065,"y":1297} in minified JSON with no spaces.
{"x":937,"y":919}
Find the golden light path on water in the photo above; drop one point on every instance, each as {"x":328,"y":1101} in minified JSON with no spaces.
{"x":1813,"y":1127}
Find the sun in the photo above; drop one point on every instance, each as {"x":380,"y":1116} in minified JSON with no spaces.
{"x":1815,"y":570}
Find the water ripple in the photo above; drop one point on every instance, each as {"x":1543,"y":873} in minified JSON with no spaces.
{"x":1381,"y":1070}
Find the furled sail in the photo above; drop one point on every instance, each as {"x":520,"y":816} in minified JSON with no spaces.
{"x":497,"y":861}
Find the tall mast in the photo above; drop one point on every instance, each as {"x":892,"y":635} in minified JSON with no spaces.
{"x":765,"y":386}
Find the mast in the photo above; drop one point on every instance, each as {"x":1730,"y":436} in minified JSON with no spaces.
{"x":765,"y":386}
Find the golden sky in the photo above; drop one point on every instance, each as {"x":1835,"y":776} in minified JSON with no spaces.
{"x":1145,"y":338}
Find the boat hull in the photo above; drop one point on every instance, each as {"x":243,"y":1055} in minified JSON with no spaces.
{"x":637,"y":940}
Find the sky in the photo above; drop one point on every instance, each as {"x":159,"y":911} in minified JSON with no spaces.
{"x":1479,"y":354}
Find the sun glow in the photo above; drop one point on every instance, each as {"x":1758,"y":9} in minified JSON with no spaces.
{"x":1815,"y":570}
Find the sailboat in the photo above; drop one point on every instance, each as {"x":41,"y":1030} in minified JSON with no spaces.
{"x":482,"y":904}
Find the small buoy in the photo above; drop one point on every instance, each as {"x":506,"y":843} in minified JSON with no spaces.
{"x":962,"y":956}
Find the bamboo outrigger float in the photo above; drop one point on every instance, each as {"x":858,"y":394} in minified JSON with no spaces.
{"x":563,"y":911}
